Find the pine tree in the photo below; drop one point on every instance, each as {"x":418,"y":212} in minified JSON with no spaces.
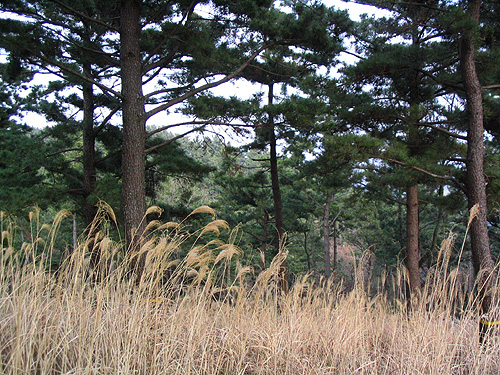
{"x":402,"y":58}
{"x":21,"y":151}
{"x":169,"y":44}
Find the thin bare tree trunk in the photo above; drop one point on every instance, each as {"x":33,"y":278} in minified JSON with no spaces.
{"x":275,"y":185}
{"x":308,"y":254}
{"x":75,"y":233}
{"x":265,"y":242}
{"x":439,"y":218}
{"x":412,"y":238}
{"x":335,"y":245}
{"x":89,"y":169}
{"x":326,"y":236}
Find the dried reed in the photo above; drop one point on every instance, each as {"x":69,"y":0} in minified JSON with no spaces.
{"x":184,"y":318}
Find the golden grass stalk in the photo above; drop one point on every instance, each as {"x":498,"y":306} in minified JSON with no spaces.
{"x":67,"y":323}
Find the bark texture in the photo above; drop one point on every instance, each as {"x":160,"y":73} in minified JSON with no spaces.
{"x":475,"y":179}
{"x":134,"y":132}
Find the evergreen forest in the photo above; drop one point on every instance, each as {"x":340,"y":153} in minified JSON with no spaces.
{"x":233,"y":138}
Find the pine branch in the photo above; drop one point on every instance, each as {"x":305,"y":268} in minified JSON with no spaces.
{"x":84,"y":16}
{"x":160,"y":63}
{"x":65,"y":69}
{"x":62,"y":152}
{"x":167,"y":90}
{"x":432,"y":125}
{"x":147,"y":151}
{"x":254,"y":235}
{"x":428,"y":173}
{"x":105,"y":121}
{"x":423,"y":5}
{"x":207,"y":86}
{"x":203,"y":123}
{"x":353,"y":54}
{"x":186,"y":16}
{"x":189,"y":86}
{"x":394,"y":200}
{"x":107,"y":56}
{"x":416,"y":168}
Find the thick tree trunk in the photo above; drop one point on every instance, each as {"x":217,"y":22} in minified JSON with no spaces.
{"x":134,"y":132}
{"x":412,"y":238}
{"x":326,"y":236}
{"x":89,"y":169}
{"x":275,"y":185}
{"x":475,"y":179}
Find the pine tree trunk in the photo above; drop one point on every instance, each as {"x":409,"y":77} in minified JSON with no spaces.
{"x":412,"y":240}
{"x":401,"y":238}
{"x":335,"y":249}
{"x":134,"y":132}
{"x":275,"y":185}
{"x":308,"y":254}
{"x":89,"y":169}
{"x":435,"y":233}
{"x":326,"y":236}
{"x":265,"y":241}
{"x":475,"y":180}
{"x":278,"y":206}
{"x":75,"y":233}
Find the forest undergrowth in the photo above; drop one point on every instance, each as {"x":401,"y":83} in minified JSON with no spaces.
{"x":202,"y":313}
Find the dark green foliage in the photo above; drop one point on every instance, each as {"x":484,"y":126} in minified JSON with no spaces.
{"x":170,"y":161}
{"x":362,"y":135}
{"x":20,"y":168}
{"x":21,"y":152}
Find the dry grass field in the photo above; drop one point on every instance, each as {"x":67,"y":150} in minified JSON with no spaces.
{"x":67,"y":323}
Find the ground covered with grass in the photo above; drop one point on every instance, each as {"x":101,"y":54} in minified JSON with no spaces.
{"x":73,"y":322}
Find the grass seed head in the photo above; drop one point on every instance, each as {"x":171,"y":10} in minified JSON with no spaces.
{"x":227,"y":253}
{"x":203,"y":210}
{"x":474,"y":212}
{"x":215,"y":227}
{"x":169,"y":225}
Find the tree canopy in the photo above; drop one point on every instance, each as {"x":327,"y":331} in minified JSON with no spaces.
{"x":382,"y":152}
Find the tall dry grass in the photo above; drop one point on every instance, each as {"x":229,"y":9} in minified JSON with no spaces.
{"x":186,"y":316}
